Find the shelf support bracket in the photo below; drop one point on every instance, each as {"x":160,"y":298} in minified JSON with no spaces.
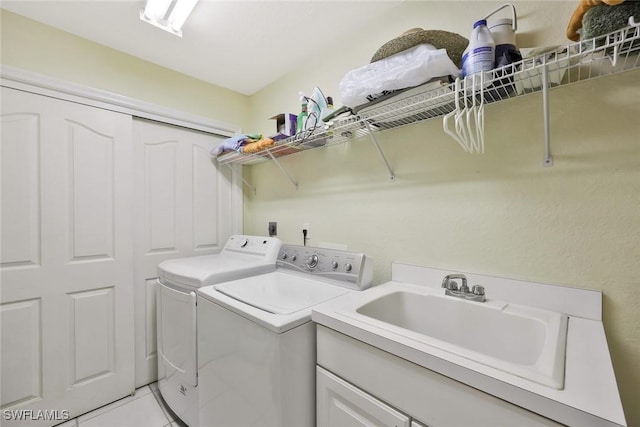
{"x":244,"y":181}
{"x":392,"y":176}
{"x":548,"y":158}
{"x":284,"y":171}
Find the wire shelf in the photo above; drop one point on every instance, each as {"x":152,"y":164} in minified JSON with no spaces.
{"x":321,"y":136}
{"x":613,"y":53}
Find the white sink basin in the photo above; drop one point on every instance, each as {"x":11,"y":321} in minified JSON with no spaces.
{"x":523,"y":341}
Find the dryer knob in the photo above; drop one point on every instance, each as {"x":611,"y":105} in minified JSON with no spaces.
{"x":245,"y":243}
{"x":294,"y":257}
{"x":334,"y":265}
{"x":312,"y":261}
{"x":347,"y":267}
{"x":284,"y":255}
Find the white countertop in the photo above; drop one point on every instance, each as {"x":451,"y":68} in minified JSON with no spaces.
{"x":590,"y":394}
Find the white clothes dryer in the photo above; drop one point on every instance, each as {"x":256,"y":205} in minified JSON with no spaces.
{"x":256,"y":341}
{"x":176,"y":319}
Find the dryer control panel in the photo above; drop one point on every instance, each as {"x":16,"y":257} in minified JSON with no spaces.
{"x":351,"y":269}
{"x":266,"y":247}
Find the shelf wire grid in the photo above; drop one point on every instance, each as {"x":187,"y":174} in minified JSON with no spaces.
{"x":605,"y":55}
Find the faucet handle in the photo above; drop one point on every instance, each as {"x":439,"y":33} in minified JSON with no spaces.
{"x":477,"y":290}
{"x":451,"y":285}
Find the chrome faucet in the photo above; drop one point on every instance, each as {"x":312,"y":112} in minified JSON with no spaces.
{"x":451,"y":288}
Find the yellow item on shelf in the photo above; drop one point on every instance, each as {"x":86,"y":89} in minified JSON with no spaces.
{"x":254,"y":147}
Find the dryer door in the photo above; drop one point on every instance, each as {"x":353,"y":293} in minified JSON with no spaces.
{"x":176,"y":323}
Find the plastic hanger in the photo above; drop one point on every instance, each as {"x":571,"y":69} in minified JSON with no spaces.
{"x":453,"y":114}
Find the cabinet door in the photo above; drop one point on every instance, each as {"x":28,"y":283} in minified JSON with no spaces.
{"x":342,"y":404}
{"x":66,"y":259}
{"x":182,"y":207}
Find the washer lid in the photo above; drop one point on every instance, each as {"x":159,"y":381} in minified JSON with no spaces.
{"x":280,"y":293}
{"x":198,"y":271}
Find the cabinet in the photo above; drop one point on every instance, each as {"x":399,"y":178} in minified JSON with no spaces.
{"x":426,"y":397}
{"x":341,"y":404}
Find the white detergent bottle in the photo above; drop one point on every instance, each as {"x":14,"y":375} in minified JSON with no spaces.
{"x":479,"y":55}
{"x":503,"y":36}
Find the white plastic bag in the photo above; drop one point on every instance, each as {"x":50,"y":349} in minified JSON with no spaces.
{"x":408,"y":68}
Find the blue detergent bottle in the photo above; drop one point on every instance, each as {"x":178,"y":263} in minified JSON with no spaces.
{"x":479,"y":55}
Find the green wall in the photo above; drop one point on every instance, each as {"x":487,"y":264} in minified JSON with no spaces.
{"x":502,"y":213}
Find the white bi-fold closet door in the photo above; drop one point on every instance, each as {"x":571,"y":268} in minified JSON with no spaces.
{"x":66,"y":258}
{"x":182,"y":206}
{"x":92,"y":201}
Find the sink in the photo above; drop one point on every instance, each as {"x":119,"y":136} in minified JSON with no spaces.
{"x":516,"y":339}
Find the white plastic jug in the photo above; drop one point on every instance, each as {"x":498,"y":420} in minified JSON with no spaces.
{"x":479,"y":55}
{"x":503,"y":36}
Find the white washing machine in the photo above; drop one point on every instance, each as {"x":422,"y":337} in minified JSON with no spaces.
{"x":256,"y":341}
{"x":176,"y":318}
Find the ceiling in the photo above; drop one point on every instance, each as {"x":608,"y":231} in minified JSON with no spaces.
{"x":240,"y":45}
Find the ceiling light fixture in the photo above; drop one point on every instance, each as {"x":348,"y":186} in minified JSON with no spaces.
{"x":169,"y":15}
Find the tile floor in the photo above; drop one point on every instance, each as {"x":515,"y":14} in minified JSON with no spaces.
{"x":144,"y":409}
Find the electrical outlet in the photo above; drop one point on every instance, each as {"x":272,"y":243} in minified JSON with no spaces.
{"x":273,"y":229}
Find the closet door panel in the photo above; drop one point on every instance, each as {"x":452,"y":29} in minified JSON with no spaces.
{"x":20,"y":192}
{"x":205,"y":200}
{"x":92,"y":347}
{"x":150,"y":337}
{"x":177,"y":205}
{"x":73,"y":252}
{"x":21,"y":330}
{"x":91,"y":182}
{"x":161,"y":198}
